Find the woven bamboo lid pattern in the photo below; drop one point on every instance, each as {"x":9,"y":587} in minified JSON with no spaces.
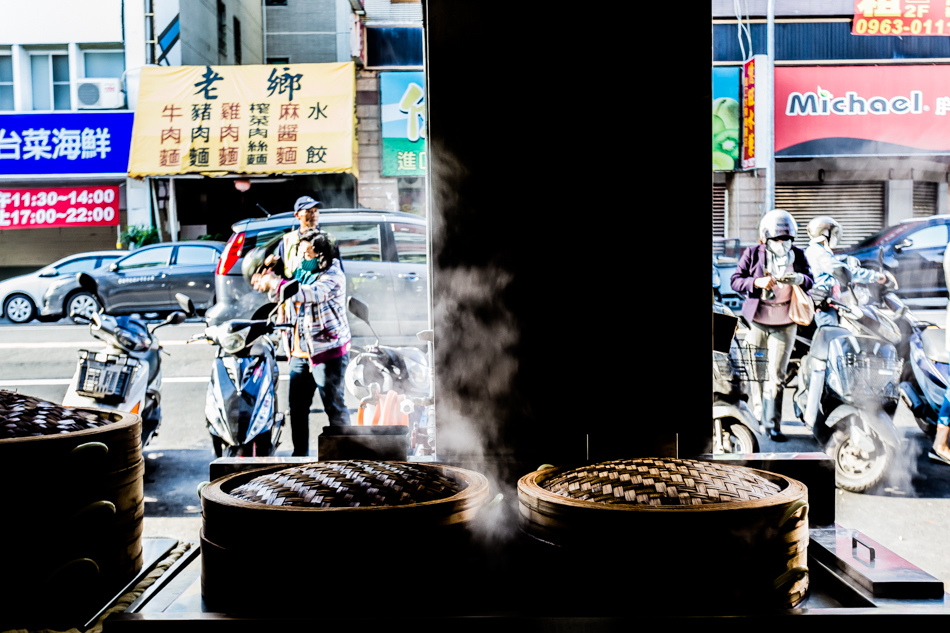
{"x":349,"y":484}
{"x":25,"y":416}
{"x":660,"y":481}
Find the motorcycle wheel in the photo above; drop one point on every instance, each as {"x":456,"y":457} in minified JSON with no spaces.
{"x":218,"y":445}
{"x":928,"y":427}
{"x":740,"y":439}
{"x":855,"y":469}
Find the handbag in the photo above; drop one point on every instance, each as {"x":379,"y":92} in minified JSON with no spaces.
{"x":801,"y":309}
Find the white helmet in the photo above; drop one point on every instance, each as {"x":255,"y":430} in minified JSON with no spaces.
{"x":825,"y":226}
{"x":777,"y":223}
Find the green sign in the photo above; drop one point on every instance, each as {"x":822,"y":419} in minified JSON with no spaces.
{"x":403,"y":123}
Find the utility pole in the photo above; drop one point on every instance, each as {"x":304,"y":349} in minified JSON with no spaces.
{"x":770,"y":108}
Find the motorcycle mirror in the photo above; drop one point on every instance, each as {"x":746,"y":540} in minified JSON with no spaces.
{"x":186,"y":303}
{"x":359,"y":309}
{"x":426,"y":335}
{"x":288,"y":290}
{"x":87,"y":282}
{"x":175,"y":318}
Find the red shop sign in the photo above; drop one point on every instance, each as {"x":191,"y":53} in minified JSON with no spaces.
{"x":58,"y":207}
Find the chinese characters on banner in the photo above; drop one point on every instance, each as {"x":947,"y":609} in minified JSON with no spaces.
{"x":298,"y":118}
{"x":748,"y":114}
{"x":65,"y":143}
{"x":59,"y":207}
{"x":402,"y":96}
{"x":901,"y":17}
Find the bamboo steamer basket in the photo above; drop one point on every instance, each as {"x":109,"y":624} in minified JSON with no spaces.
{"x":688,"y":536}
{"x":359,"y":550}
{"x":74,"y":528}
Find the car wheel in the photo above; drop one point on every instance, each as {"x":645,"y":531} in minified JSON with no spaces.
{"x":19,"y":308}
{"x":83,"y":304}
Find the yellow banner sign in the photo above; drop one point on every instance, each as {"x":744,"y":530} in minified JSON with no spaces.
{"x":214,"y":120}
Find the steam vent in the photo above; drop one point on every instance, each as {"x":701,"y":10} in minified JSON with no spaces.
{"x":669,"y":518}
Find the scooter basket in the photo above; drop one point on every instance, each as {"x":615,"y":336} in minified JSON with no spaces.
{"x":103,"y":376}
{"x":746,"y":363}
{"x":865,"y":376}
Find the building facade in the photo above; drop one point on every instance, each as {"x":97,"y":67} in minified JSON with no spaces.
{"x":847,"y":143}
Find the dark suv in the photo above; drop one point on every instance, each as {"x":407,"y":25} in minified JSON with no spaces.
{"x":384,"y":259}
{"x":913,"y":251}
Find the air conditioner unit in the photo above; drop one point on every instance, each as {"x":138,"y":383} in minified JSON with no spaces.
{"x":99,"y":94}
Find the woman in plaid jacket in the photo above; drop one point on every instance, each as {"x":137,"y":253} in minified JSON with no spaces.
{"x":321,"y":335}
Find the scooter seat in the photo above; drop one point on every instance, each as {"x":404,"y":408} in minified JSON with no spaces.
{"x":934,"y":342}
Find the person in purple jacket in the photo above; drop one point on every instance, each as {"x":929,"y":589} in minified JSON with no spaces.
{"x":765,"y":275}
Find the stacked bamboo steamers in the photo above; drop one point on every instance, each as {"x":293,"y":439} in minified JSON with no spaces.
{"x":75,"y":504}
{"x":685,"y":536}
{"x":354,"y":532}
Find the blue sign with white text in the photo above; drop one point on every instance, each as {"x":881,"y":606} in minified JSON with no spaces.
{"x":65,"y":143}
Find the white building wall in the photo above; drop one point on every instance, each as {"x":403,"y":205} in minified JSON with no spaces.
{"x":59,"y":21}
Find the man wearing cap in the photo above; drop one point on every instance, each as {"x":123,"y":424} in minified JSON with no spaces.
{"x":303,"y":379}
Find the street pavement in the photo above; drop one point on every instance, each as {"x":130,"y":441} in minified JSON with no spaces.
{"x":907,"y":515}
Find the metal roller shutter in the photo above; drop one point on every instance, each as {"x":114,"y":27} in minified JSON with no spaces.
{"x":719,"y":210}
{"x":925,"y":199}
{"x":858,"y":207}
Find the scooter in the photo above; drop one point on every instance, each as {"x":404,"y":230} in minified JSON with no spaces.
{"x":735,"y":429}
{"x":849,"y":390}
{"x":394,"y":385}
{"x":126,"y":375}
{"x":925,"y":376}
{"x":241,"y":409}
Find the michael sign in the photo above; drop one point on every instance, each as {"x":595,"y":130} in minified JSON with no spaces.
{"x":862,"y":111}
{"x":823,"y":102}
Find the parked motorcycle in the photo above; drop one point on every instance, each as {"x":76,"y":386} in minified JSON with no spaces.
{"x":241,"y":409}
{"x":848,"y":390}
{"x":735,"y":429}
{"x":394,"y":385}
{"x":925,"y":376}
{"x":126,"y":374}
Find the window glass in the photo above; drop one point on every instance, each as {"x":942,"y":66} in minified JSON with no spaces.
{"x":929,"y":237}
{"x":196,"y":255}
{"x":104,"y":64}
{"x":50,"y":79}
{"x":77,"y":265}
{"x":105,"y":261}
{"x":146,"y":259}
{"x":359,"y":242}
{"x":410,"y":243}
{"x":40,"y":73}
{"x":6,"y":82}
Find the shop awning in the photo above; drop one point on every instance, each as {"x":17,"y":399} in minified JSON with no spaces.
{"x":258,"y":119}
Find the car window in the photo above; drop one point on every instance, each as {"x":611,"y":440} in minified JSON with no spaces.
{"x":108,"y":259}
{"x":885,"y":235}
{"x":929,"y":237}
{"x":147,"y":259}
{"x":196,"y":255}
{"x":410,"y":243}
{"x":77,"y":265}
{"x":252,"y":240}
{"x":357,"y":241}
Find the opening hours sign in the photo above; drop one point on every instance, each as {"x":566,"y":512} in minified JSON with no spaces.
{"x":257,"y":119}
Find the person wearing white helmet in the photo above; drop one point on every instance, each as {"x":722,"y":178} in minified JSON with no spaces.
{"x":765,"y":274}
{"x":824,"y":233}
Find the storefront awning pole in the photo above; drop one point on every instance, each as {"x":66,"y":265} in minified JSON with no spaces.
{"x":156,"y":217}
{"x":172,"y":211}
{"x":770,"y":108}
